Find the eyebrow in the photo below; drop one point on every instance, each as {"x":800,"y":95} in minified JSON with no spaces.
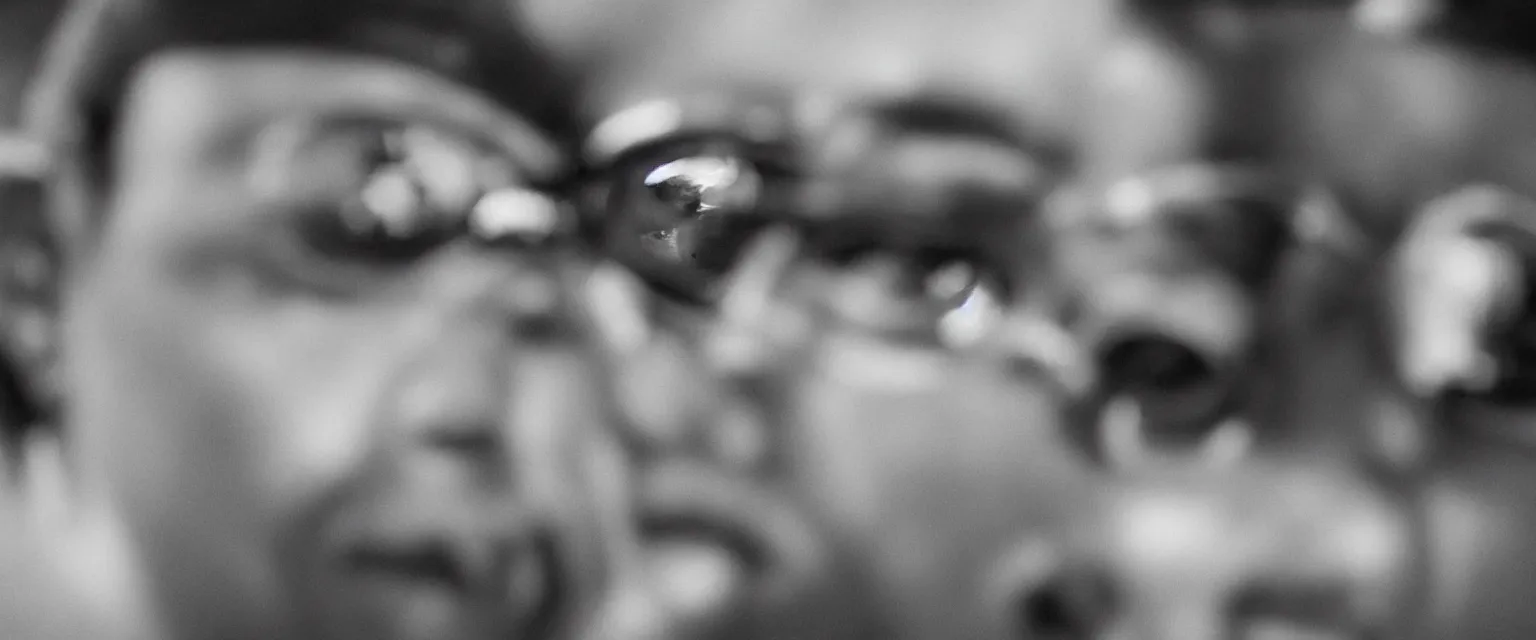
{"x":389,"y":90}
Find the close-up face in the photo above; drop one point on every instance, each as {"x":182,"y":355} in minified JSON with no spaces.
{"x":905,"y":319}
{"x":845,"y":198}
{"x":323,"y":352}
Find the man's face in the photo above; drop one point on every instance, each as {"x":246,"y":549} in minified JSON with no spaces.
{"x":906,"y":143}
{"x":1430,"y":145}
{"x":1462,"y":320}
{"x":324,"y":355}
{"x":1416,"y":518}
{"x":1314,"y":528}
{"x":1274,"y":523}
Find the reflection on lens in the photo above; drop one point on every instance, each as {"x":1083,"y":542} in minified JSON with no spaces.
{"x":705,"y":183}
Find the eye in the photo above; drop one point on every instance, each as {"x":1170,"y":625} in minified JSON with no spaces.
{"x":1179,"y":391}
{"x":1175,"y":347}
{"x":953,"y":299}
{"x":1476,"y":356}
{"x":700,"y":204}
{"x":1166,"y":276}
{"x":1461,"y":285}
{"x":416,"y":187}
{"x":683,"y":213}
{"x":384,"y":193}
{"x":1470,"y":332}
{"x":1464,"y":309}
{"x":698,"y":185}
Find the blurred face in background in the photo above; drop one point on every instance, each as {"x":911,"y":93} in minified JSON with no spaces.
{"x":1213,"y":315}
{"x":1387,"y":491}
{"x":1462,"y":316}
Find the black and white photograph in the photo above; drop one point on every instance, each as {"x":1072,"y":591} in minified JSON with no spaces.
{"x":767,"y":319}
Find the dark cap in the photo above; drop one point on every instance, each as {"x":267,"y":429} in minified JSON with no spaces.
{"x":476,"y":42}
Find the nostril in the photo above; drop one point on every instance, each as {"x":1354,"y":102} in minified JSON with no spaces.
{"x":1069,"y":605}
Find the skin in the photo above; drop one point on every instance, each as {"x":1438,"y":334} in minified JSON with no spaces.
{"x":1448,"y":489}
{"x":1473,"y":486}
{"x":1331,"y":387}
{"x":925,"y":473}
{"x":237,"y":405}
{"x":1300,"y":537}
{"x":915,"y":481}
{"x":872,"y":523}
{"x":1477,"y":484}
{"x":249,"y":410}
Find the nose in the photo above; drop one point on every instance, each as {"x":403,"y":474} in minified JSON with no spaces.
{"x":487,"y":391}
{"x":1192,"y":558}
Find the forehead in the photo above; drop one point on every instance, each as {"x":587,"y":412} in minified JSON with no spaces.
{"x":1021,"y":56}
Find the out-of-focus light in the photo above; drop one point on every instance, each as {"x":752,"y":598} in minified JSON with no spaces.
{"x":1397,"y":17}
{"x":970,"y":322}
{"x":515,"y":212}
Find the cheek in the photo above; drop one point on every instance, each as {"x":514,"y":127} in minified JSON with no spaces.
{"x":935,"y":485}
{"x":196,"y":405}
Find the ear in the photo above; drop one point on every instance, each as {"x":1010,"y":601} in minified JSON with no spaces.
{"x":29,"y":291}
